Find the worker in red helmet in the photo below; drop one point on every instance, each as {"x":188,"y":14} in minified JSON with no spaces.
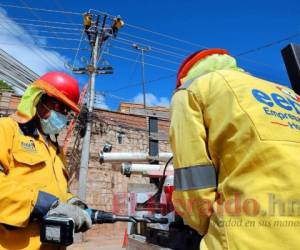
{"x":33,"y":174}
{"x":236,"y":145}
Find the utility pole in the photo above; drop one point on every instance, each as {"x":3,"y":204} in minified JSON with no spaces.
{"x":143,"y":50}
{"x":83,"y":171}
{"x":96,"y":38}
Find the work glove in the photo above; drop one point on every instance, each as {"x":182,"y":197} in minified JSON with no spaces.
{"x":81,"y":218}
{"x":77,"y":202}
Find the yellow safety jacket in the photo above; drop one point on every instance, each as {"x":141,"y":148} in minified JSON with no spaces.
{"x":236,"y":145}
{"x":29,"y":165}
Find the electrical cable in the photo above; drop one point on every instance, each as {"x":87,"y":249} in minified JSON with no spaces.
{"x":32,"y":47}
{"x":43,"y":21}
{"x":167,"y":36}
{"x":151,"y":41}
{"x":130,"y":42}
{"x":51,"y":32}
{"x":131,"y":60}
{"x":57,"y":38}
{"x":149,"y":56}
{"x":151,"y":31}
{"x":163,"y":178}
{"x":270,"y":44}
{"x":134,"y":67}
{"x":47,"y":26}
{"x":60,"y":7}
{"x":155,"y":199}
{"x":39,"y":9}
{"x":79,"y":45}
{"x":138,"y":84}
{"x":43,"y":46}
{"x":157,"y":33}
{"x":162,"y":53}
{"x":38,"y":17}
{"x":106,"y":94}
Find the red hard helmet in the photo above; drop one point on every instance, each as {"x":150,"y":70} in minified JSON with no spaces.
{"x":62,"y":87}
{"x":190,"y":61}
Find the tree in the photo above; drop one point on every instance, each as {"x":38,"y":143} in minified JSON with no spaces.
{"x":5,"y":87}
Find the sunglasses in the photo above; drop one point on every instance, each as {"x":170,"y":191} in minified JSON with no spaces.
{"x":54,"y":104}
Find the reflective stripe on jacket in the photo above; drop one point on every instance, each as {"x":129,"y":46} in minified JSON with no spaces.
{"x":29,"y":165}
{"x":236,"y":145}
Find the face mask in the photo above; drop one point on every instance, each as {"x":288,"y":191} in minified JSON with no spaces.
{"x":54,"y":124}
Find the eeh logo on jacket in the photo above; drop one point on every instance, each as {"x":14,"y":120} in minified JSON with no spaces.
{"x":285,"y":107}
{"x":28,"y":146}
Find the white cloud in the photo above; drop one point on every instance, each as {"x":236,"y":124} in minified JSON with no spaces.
{"x":152,"y":100}
{"x":100,"y":102}
{"x":16,"y":41}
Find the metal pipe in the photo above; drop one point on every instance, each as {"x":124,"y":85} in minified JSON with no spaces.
{"x":131,"y":156}
{"x":128,"y":168}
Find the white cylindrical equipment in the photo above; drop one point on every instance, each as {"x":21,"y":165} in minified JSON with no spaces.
{"x":131,"y":157}
{"x":128,"y":168}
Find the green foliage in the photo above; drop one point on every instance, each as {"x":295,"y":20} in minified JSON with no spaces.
{"x":5,"y":87}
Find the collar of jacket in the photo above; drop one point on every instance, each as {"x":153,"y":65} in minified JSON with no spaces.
{"x":29,"y":128}
{"x":210,"y":64}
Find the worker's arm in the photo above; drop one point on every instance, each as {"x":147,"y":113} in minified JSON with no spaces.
{"x":194,"y":175}
{"x":17,"y":202}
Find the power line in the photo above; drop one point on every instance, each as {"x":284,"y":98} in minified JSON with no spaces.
{"x":146,"y":30}
{"x":130,"y":60}
{"x":146,"y":82}
{"x":164,"y":52}
{"x":60,"y":7}
{"x":149,"y":56}
{"x":52,"y":32}
{"x":57,"y":38}
{"x":43,"y":21}
{"x":151,"y":41}
{"x":134,"y":67}
{"x":43,"y":46}
{"x":168,"y":53}
{"x":158,"y":33}
{"x":77,"y":13}
{"x":153,"y":48}
{"x":49,"y":60}
{"x":107,"y":94}
{"x":268,"y":44}
{"x":47,"y":26}
{"x":38,"y":17}
{"x":40,"y":9}
{"x":79,"y":45}
{"x":166,"y":36}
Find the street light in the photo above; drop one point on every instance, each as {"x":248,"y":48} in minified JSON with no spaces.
{"x":142,"y":49}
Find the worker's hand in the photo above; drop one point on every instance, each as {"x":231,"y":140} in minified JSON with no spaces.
{"x":82,"y":219}
{"x":77,"y":202}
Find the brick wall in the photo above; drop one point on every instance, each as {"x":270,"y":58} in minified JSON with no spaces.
{"x":106,"y":185}
{"x":8,"y":103}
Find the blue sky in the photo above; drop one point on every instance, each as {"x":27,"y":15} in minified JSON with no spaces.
{"x":235,"y":25}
